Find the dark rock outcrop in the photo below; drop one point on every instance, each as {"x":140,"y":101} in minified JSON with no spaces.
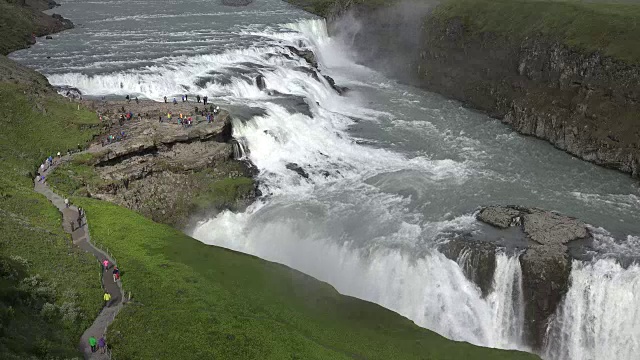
{"x":173,"y":174}
{"x":65,"y":23}
{"x":297,"y":169}
{"x":546,"y":261}
{"x":260,"y":83}
{"x":306,"y":54}
{"x":339,"y":89}
{"x":236,"y":2}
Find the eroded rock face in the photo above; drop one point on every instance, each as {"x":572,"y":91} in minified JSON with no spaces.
{"x":169,"y":173}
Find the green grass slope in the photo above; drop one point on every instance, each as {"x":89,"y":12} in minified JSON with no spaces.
{"x":193,"y":301}
{"x":49,"y":292}
{"x":18,"y":22}
{"x":610,"y":28}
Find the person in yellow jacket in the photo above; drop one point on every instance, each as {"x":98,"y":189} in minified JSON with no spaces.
{"x":107,"y":298}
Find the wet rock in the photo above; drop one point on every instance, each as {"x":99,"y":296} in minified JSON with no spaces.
{"x":68,"y":91}
{"x":308,"y":55}
{"x":66,"y":23}
{"x":311,"y":72}
{"x":49,"y":37}
{"x":339,"y":89}
{"x":260,"y":83}
{"x":546,"y":262}
{"x":297,"y":169}
{"x":236,"y":2}
{"x":477,"y":259}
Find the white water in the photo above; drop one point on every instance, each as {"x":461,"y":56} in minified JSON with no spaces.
{"x":598,"y":319}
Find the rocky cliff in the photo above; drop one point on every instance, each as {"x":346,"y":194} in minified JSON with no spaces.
{"x":566,"y":73}
{"x":583,"y":103}
{"x":165,"y":171}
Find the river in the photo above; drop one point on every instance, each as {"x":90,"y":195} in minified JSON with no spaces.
{"x":392,"y":170}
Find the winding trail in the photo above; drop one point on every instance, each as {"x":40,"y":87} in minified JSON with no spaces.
{"x":81,"y":238}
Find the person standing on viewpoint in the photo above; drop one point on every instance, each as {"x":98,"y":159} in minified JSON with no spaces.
{"x":92,"y":343}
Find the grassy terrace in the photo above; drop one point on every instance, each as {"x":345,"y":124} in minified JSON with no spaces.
{"x":49,"y":292}
{"x":193,"y":301}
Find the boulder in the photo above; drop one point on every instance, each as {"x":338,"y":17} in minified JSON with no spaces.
{"x":339,"y":89}
{"x":297,"y":169}
{"x":260,"y":83}
{"x":66,"y":23}
{"x":306,"y":54}
{"x":236,"y":2}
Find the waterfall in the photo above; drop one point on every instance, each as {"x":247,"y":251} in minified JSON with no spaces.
{"x":239,"y":152}
{"x":599,"y":319}
{"x":507,"y":302}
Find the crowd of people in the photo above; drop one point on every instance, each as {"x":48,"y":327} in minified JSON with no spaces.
{"x":186,"y":120}
{"x":185,"y":98}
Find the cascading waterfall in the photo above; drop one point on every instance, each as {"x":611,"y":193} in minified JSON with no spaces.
{"x":507,"y":302}
{"x":600,"y":315}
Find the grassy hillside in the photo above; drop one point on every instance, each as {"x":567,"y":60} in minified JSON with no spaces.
{"x":610,"y":28}
{"x":49,"y":292}
{"x":193,"y":301}
{"x":18,"y":21}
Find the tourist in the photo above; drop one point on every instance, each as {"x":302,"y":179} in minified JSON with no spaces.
{"x":128,"y":99}
{"x":175,"y":102}
{"x":102,"y":344}
{"x":160,"y":118}
{"x":42,"y":168}
{"x":182,"y":98}
{"x":66,"y":203}
{"x":107,"y":298}
{"x":92,"y":343}
{"x":139,"y":117}
{"x":105,"y":263}
{"x":198,"y":98}
{"x":116,"y":274}
{"x":137,"y":101}
{"x":186,"y":97}
{"x":169,"y":116}
{"x":204,"y":100}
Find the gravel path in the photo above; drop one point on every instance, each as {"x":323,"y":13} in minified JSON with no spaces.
{"x":81,"y":238}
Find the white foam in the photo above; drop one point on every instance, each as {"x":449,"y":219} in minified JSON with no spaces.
{"x":599,"y":317}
